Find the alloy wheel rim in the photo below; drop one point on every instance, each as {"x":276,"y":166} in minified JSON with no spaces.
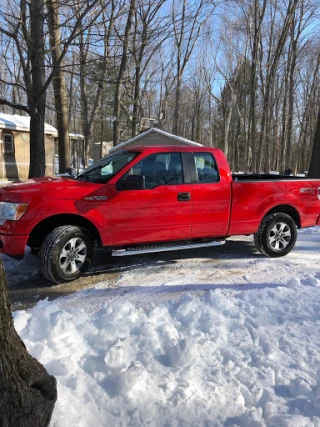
{"x":280,"y":236}
{"x":72,"y":256}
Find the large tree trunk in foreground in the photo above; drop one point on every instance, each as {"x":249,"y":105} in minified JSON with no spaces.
{"x":314,"y":168}
{"x":27,"y":392}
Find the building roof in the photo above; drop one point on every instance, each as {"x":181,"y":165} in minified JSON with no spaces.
{"x":22,"y":123}
{"x":16,"y":122}
{"x":161,"y":132}
{"x":75,"y":135}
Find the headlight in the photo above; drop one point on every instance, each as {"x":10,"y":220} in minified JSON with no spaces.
{"x":12,"y":211}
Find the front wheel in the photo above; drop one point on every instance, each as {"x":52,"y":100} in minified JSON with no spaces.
{"x":276,"y":236}
{"x":65,"y":253}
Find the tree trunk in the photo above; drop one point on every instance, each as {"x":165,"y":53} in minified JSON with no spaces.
{"x":59,"y":85}
{"x":198,"y":120}
{"x":293,"y":63}
{"x":252,"y":143}
{"x":37,"y":149}
{"x":176,"y":130}
{"x":229,"y":110}
{"x":314,"y":168}
{"x":284,"y":123}
{"x":122,"y":69}
{"x":136,"y":100}
{"x":28,"y":393}
{"x":37,"y":100}
{"x":253,"y":90}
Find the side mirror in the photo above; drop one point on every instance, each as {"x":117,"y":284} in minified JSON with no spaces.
{"x":71,"y":171}
{"x":131,"y":182}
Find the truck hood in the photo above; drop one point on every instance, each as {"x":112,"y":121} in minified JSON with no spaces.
{"x":47,"y":189}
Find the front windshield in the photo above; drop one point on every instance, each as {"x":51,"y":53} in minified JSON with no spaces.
{"x":103,"y":170}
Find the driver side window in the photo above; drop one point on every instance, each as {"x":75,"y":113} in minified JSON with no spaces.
{"x":159,"y":169}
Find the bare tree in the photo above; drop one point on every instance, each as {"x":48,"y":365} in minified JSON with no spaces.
{"x":166,"y":86}
{"x":121,"y":72}
{"x":150,"y":31}
{"x":249,"y":94}
{"x":59,"y":85}
{"x":303,"y":16}
{"x":94,"y":67}
{"x":273,"y":58}
{"x":25,"y":29}
{"x":187,"y":24}
{"x":309,"y":101}
{"x":255,"y":37}
{"x":314,"y":168}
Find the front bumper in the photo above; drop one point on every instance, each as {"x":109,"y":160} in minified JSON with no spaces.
{"x":13,"y":245}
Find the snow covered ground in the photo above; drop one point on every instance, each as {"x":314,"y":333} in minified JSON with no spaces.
{"x":210,"y":341}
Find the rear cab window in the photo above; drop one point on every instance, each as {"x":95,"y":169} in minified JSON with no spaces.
{"x":206,"y":168}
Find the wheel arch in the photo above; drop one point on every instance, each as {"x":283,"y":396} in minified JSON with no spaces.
{"x":43,"y":228}
{"x":287,"y":209}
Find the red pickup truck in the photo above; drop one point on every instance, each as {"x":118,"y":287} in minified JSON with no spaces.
{"x":151,"y":199}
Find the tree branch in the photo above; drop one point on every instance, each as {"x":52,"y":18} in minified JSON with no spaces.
{"x":13,"y":105}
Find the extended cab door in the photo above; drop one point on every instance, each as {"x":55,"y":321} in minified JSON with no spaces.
{"x":211,"y":195}
{"x":161,"y":211}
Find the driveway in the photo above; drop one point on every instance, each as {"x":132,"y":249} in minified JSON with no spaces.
{"x":27,"y":286}
{"x":140,"y":279}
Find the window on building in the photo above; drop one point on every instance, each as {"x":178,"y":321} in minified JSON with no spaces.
{"x":8,"y":146}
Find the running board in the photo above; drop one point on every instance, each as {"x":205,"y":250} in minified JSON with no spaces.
{"x":153,"y":249}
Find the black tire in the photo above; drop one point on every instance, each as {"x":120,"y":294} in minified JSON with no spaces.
{"x":65,"y":253}
{"x":276,"y":236}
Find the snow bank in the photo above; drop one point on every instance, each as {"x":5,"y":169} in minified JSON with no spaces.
{"x":229,"y":358}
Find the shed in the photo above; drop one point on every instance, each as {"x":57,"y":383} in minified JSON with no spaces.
{"x":15,"y":146}
{"x":155,"y":136}
{"x":101,"y":149}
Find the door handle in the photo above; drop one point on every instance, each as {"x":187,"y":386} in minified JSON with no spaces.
{"x":184,"y":197}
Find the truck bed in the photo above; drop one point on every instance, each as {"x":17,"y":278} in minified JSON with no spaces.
{"x":266,"y":177}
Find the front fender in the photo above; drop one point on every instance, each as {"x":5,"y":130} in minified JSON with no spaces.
{"x":97,"y":212}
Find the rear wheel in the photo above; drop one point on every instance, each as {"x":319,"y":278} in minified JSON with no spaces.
{"x":65,"y":253}
{"x":277,"y":235}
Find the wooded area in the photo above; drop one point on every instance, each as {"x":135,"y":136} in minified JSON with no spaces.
{"x":242,"y":75}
